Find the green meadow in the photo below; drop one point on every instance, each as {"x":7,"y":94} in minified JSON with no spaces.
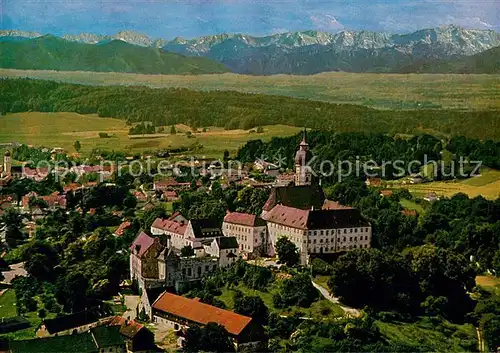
{"x":383,"y":91}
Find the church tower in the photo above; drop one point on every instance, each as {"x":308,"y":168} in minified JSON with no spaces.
{"x":303,"y":173}
{"x":7,"y":164}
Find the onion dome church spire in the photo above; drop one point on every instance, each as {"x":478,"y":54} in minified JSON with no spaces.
{"x":303,"y":173}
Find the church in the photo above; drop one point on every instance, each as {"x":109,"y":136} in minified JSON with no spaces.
{"x":6,"y":169}
{"x":315,"y":225}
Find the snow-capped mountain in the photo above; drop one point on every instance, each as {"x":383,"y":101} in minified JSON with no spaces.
{"x":311,"y":52}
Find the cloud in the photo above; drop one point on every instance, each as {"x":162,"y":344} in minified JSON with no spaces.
{"x":325,"y":22}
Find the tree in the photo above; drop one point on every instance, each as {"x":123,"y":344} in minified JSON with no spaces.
{"x":490,"y":323}
{"x":252,"y":306}
{"x":210,"y":338}
{"x":42,"y":313}
{"x":289,"y":295}
{"x":288,"y":253}
{"x":173,"y":131}
{"x":187,"y":251}
{"x":13,"y":227}
{"x":78,"y":146}
{"x":226,"y":155}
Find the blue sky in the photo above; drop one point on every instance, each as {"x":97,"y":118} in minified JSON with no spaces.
{"x":191,"y":18}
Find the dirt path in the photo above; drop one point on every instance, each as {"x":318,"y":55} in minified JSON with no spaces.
{"x":348,"y":310}
{"x":131,"y":302}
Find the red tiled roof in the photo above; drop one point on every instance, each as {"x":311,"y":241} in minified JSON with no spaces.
{"x":71,"y":187}
{"x":51,"y":199}
{"x":121,"y":229}
{"x":374,"y":181}
{"x":334,"y":205}
{"x":410,"y":213}
{"x":245,"y":219}
{"x":289,"y":216}
{"x":128,"y":328}
{"x":175,"y":214}
{"x":201,"y":313}
{"x":170,"y":226}
{"x":386,"y":192}
{"x":316,"y":219}
{"x":162,"y":184}
{"x":170,"y":194}
{"x":142,"y":243}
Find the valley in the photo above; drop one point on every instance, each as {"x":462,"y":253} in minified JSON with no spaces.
{"x":381,"y":91}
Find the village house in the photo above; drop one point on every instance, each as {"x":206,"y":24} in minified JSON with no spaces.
{"x":266,"y":167}
{"x":73,"y":323}
{"x":374,"y":182}
{"x":186,"y":234}
{"x":122,"y":228}
{"x":249,"y":230}
{"x":170,"y":196}
{"x":52,"y":202}
{"x":171,"y":311}
{"x":137,"y":337}
{"x":386,"y":193}
{"x":170,"y":184}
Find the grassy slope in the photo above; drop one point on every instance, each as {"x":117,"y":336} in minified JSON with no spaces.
{"x":318,"y":310}
{"x":384,"y":91}
{"x":63,"y":129}
{"x":51,"y":53}
{"x":8,"y":309}
{"x":8,"y":304}
{"x":440,"y":337}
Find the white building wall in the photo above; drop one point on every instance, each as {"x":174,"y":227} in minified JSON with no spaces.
{"x":318,"y":241}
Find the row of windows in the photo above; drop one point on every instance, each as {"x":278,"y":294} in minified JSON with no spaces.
{"x":343,"y":239}
{"x":332,"y":248}
{"x":239,"y":228}
{"x":332,"y":232}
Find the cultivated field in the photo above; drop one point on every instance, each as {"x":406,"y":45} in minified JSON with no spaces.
{"x":63,"y":129}
{"x":384,"y":91}
{"x":486,"y":185}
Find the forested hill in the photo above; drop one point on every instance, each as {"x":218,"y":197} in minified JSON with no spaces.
{"x":487,"y":62}
{"x":235,"y":110}
{"x":52,"y":53}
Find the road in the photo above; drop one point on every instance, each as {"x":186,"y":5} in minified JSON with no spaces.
{"x":131,"y":302}
{"x":348,"y":310}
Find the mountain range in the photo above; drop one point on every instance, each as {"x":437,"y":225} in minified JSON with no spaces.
{"x":311,"y":52}
{"x":54,"y":53}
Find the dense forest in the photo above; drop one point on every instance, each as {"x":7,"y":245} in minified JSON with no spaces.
{"x":379,"y":148}
{"x":234,"y":110}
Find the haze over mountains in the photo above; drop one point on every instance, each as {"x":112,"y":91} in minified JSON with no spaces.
{"x":311,"y":52}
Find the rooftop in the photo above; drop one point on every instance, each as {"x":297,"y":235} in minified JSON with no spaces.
{"x":303,"y":197}
{"x":141,"y":244}
{"x":244,"y":219}
{"x":227,"y":242}
{"x":201,"y":313}
{"x":170,"y":226}
{"x":316,"y":219}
